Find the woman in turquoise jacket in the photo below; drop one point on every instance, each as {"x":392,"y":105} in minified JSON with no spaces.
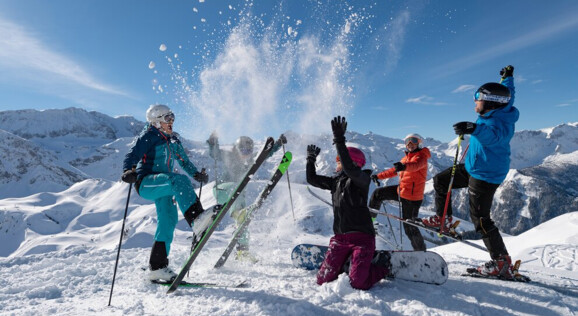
{"x":486,"y":166}
{"x":149,"y":164}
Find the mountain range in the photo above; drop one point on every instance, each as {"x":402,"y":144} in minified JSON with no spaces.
{"x":51,"y":150}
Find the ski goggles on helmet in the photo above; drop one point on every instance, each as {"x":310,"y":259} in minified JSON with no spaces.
{"x":413,"y":140}
{"x":167,"y":118}
{"x":480,"y":96}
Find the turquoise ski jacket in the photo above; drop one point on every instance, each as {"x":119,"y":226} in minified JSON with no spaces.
{"x":155,"y":152}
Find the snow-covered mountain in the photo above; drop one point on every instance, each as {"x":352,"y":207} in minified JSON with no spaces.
{"x":62,"y":208}
{"x":50,"y":150}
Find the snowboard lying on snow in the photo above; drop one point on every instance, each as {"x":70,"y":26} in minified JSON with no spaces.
{"x":418,"y":266}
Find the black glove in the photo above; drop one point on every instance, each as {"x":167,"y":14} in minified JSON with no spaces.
{"x":201,"y":177}
{"x":339,"y":126}
{"x":129,"y":176}
{"x":399,"y":166}
{"x":507,"y":71}
{"x":462,"y":128}
{"x":375,"y":179}
{"x":312,"y":152}
{"x":283,"y":139}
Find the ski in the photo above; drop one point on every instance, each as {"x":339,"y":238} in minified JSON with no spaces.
{"x":517,"y":277}
{"x":243,"y":283}
{"x":473,"y":272}
{"x":221,"y":214}
{"x":452,"y":234}
{"x":285,"y":162}
{"x":417,"y":266}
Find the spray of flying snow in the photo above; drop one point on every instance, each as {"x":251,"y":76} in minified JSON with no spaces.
{"x":260,"y":77}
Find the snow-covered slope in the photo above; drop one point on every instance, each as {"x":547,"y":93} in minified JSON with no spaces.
{"x":66,"y":258}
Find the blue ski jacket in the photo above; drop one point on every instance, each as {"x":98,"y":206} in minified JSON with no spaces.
{"x":488,"y":158}
{"x":155,"y":152}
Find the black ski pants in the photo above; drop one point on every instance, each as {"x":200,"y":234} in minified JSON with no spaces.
{"x":481,"y":195}
{"x":410,"y":210}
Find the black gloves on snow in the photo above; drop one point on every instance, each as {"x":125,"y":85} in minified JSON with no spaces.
{"x":312,"y":152}
{"x":399,"y":166}
{"x":129,"y":176}
{"x":462,"y":128}
{"x":507,"y":71}
{"x":201,"y":177}
{"x":338,"y":126}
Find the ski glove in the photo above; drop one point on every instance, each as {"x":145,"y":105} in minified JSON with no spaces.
{"x":462,"y":128}
{"x":201,"y":177}
{"x":129,"y":176}
{"x":507,"y":71}
{"x":399,"y":166}
{"x":339,"y":126}
{"x":312,"y":152}
{"x":283,"y":139}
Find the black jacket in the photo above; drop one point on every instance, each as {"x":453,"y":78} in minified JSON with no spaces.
{"x":349,"y":191}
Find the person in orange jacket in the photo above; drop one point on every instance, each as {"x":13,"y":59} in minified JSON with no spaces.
{"x":412,"y":171}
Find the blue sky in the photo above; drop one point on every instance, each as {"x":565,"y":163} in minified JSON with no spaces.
{"x":262,"y":67}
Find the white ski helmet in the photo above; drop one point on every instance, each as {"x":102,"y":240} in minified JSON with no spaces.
{"x":244,"y":145}
{"x":414,"y":138}
{"x":158,"y":113}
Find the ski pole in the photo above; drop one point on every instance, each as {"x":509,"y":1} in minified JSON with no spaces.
{"x":200,"y":192}
{"x":289,"y":185}
{"x":400,"y":207}
{"x":119,"y":243}
{"x":448,"y":196}
{"x":201,"y":188}
{"x":390,"y":226}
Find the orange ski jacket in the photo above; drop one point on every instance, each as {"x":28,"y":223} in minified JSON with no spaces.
{"x":412,"y":179}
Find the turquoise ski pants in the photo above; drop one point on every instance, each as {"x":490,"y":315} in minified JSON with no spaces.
{"x":164,"y":189}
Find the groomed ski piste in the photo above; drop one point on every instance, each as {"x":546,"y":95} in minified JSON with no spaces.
{"x":61,"y":263}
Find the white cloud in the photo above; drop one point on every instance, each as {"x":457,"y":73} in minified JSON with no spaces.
{"x":424,"y":99}
{"x":29,"y":56}
{"x":395,"y":40}
{"x":465,"y":88}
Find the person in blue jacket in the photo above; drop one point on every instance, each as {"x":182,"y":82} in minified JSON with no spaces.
{"x":486,"y":166}
{"x":150,"y":165}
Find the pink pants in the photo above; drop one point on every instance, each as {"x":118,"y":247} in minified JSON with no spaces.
{"x":361,"y":247}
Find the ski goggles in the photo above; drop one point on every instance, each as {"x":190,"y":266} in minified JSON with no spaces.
{"x":480,"y":96}
{"x":245,"y":151}
{"x":413,"y":140}
{"x":167,"y":118}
